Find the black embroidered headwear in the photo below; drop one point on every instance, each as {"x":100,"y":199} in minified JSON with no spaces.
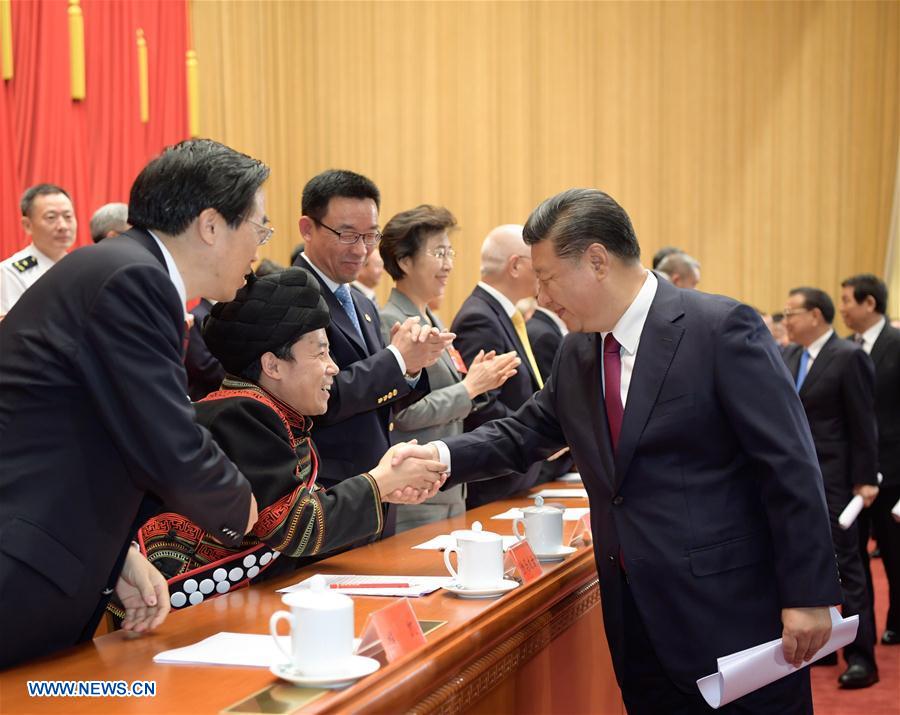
{"x":265,"y":314}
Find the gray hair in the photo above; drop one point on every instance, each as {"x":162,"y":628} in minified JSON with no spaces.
{"x":679,"y":264}
{"x":109,"y":217}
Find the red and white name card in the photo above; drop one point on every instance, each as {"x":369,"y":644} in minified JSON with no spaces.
{"x":525,"y":564}
{"x":396,"y":628}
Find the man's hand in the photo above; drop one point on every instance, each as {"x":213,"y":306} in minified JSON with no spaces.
{"x":144,"y":593}
{"x":420,"y":345}
{"x":806,"y":630}
{"x":409,"y":495}
{"x":411,"y":449}
{"x":254,"y":515}
{"x":868,"y":492}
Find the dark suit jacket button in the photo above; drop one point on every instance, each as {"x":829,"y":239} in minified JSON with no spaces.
{"x":618,"y":501}
{"x":612,"y":558}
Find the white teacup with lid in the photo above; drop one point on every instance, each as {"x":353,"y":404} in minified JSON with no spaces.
{"x":479,"y":557}
{"x":543,"y":527}
{"x":321,"y":628}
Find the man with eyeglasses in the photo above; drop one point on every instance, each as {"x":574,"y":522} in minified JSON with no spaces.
{"x":96,"y":431}
{"x":836,"y":383}
{"x":489,"y":320}
{"x":339,"y":226}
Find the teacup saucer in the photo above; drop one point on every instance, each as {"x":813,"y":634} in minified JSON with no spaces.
{"x":349,"y":671}
{"x":558,"y":555}
{"x":499,"y":590}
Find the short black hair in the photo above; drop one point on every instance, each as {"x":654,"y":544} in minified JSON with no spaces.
{"x":662,"y":253}
{"x":190,"y":177}
{"x":576,"y":218}
{"x":816,"y":298}
{"x":320,"y":189}
{"x":405,"y":234}
{"x":32,"y":192}
{"x":868,"y":284}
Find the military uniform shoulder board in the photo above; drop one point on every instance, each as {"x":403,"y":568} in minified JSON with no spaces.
{"x":24,"y":264}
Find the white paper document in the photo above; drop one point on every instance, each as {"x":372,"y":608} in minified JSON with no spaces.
{"x":570,"y":513}
{"x":748,"y":670}
{"x":355,"y":585}
{"x":571,"y":477}
{"x":561,"y":494}
{"x":439,"y":543}
{"x":237,"y":649}
{"x":853,"y":508}
{"x":246,"y":649}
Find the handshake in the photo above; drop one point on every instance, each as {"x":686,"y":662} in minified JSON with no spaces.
{"x":409,"y":473}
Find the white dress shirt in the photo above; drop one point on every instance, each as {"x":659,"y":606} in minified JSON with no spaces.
{"x":871,"y":335}
{"x":815,"y":347}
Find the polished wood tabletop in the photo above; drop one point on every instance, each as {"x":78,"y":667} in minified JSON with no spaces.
{"x":473,"y":628}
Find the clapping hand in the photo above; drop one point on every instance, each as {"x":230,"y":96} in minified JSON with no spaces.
{"x":420,"y":345}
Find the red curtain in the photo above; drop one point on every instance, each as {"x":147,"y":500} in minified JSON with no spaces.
{"x":95,"y":147}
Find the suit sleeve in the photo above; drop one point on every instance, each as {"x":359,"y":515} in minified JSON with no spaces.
{"x":293,"y":519}
{"x":756,"y":392}
{"x":130,"y":359}
{"x":858,"y":395}
{"x":511,"y":444}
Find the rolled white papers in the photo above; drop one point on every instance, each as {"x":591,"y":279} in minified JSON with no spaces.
{"x":748,"y":670}
{"x":852,"y":510}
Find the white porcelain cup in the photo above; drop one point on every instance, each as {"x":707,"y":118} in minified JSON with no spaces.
{"x":543,"y":528}
{"x":321,"y":623}
{"x":479,"y":556}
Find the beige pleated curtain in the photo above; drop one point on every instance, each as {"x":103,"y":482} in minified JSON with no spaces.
{"x":761,"y":137}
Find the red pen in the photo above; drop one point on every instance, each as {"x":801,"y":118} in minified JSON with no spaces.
{"x":369,"y":585}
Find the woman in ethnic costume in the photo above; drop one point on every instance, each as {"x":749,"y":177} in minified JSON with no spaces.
{"x":271,"y":340}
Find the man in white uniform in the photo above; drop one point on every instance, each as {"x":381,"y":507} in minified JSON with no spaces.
{"x":49,"y":219}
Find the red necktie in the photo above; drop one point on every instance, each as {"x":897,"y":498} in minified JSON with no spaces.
{"x":612,"y":374}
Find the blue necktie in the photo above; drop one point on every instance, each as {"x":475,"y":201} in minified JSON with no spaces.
{"x":343,"y":295}
{"x":804,"y":368}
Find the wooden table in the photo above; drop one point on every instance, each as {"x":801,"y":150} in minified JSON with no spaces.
{"x":538,"y":649}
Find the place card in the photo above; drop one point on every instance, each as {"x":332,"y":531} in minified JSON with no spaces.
{"x":527,"y":567}
{"x":395,"y":627}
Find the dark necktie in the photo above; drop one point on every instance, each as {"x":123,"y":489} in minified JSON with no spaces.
{"x":859,"y":340}
{"x":612,"y":374}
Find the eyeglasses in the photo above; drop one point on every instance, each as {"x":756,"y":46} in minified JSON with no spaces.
{"x":264,"y":232}
{"x":794,"y":311}
{"x":350,"y":237}
{"x":442,"y":252}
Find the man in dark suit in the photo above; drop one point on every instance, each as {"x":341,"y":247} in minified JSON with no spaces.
{"x":709,"y":520}
{"x":204,"y":372}
{"x":489,"y":320}
{"x":96,"y":430}
{"x":836,"y":383}
{"x":546,"y":332}
{"x":340,"y":228}
{"x":863,"y":305}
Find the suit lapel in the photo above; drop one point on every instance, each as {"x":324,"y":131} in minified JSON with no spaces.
{"x":589,"y":364}
{"x":819,"y":364}
{"x":547,"y":320}
{"x":339,"y":319}
{"x":658,"y":344}
{"x":364,"y":315}
{"x":792,"y":360}
{"x":879,"y":348}
{"x":509,"y":329}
